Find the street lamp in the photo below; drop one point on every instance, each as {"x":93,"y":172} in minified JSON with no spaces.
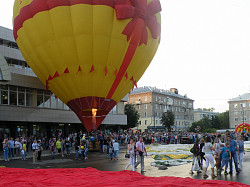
{"x":243,"y":117}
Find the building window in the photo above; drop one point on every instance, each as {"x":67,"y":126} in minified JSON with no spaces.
{"x":156,"y":122}
{"x":138,"y":107}
{"x":244,"y":119}
{"x":235,"y":112}
{"x":160,"y":106}
{"x":145,"y":98}
{"x":235,"y":119}
{"x":145,"y":114}
{"x":243,"y":105}
{"x":139,"y":122}
{"x":235,"y":105}
{"x":146,"y":106}
{"x":47,"y":99}
{"x":21,"y":96}
{"x":146,"y":122}
{"x":13,"y":95}
{"x":155,"y":98}
{"x":4,"y":95}
{"x":156,"y":106}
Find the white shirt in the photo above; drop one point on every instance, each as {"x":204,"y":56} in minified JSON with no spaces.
{"x":34,"y":146}
{"x":116,"y":146}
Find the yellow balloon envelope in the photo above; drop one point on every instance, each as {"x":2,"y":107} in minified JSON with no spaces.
{"x":89,"y":53}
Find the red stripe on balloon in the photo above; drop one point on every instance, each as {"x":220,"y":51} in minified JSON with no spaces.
{"x":36,"y":6}
{"x":128,"y":56}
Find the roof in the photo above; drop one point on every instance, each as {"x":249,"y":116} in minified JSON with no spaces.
{"x":243,"y":97}
{"x":146,"y":89}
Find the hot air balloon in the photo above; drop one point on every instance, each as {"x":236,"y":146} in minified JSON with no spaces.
{"x":89,"y":53}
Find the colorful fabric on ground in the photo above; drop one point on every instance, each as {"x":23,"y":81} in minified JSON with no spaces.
{"x":93,"y":177}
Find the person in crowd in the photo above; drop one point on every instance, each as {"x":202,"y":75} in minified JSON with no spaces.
{"x":221,"y":146}
{"x":6,"y":150}
{"x":226,"y":156}
{"x":11,"y":147}
{"x":39,"y":150}
{"x":234,"y":149}
{"x":23,"y":154}
{"x":196,"y":157}
{"x":67,"y":145}
{"x":35,"y":151}
{"x":86,"y":148}
{"x":59,"y":146}
{"x":208,"y":150}
{"x":111,"y":151}
{"x":24,"y":148}
{"x":62,"y":146}
{"x":116,"y":149}
{"x":52,"y":148}
{"x":140,"y":153}
{"x":202,"y":154}
{"x":216,"y":154}
{"x":131,"y":150}
{"x":18,"y":147}
{"x":240,"y":143}
{"x":105,"y":144}
{"x":77,"y":150}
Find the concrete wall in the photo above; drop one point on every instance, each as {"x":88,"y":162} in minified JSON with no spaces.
{"x":31,"y":114}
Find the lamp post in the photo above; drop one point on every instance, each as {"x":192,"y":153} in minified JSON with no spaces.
{"x":243,"y":117}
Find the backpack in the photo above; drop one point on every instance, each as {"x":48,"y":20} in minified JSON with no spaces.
{"x":195,"y":149}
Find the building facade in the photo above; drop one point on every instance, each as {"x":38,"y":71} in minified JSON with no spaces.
{"x":26,"y":108}
{"x":152,"y":102}
{"x":239,"y":110}
{"x":200,"y":114}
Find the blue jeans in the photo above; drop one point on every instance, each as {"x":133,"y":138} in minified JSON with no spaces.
{"x":11,"y":152}
{"x":116,"y":153}
{"x":233,"y":157}
{"x":86,"y":152}
{"x":225,"y":163}
{"x":68,"y":150}
{"x":6,"y":153}
{"x":77,"y":155}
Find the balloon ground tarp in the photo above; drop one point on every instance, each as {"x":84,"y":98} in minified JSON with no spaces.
{"x":94,"y":177}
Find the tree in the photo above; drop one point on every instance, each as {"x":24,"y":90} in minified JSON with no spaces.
{"x":132,"y":115}
{"x":224,"y":120}
{"x":215,"y":122}
{"x":167,"y":119}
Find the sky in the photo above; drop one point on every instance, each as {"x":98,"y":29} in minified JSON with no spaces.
{"x":204,"y":50}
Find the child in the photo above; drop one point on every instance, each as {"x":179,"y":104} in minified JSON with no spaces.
{"x":24,"y":147}
{"x":23,"y":154}
{"x":111,"y":152}
{"x":226,"y":156}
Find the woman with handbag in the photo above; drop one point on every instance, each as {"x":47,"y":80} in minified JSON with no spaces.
{"x":131,"y":151}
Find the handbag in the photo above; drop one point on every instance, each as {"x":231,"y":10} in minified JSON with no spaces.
{"x":127,"y":155}
{"x":140,"y":153}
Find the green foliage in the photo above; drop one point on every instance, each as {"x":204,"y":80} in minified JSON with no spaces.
{"x":167,"y":119}
{"x":210,"y":130}
{"x":211,"y":125}
{"x":224,"y":120}
{"x":132,"y":115}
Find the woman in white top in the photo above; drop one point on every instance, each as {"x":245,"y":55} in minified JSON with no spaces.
{"x":131,"y":150}
{"x":208,"y":150}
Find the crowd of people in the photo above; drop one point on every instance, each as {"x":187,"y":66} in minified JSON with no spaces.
{"x":219,"y":150}
{"x":217,"y":154}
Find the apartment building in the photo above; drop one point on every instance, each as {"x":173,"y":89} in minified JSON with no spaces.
{"x":151,"y":102}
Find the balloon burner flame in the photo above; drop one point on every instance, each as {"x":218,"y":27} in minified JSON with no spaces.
{"x":94,"y":111}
